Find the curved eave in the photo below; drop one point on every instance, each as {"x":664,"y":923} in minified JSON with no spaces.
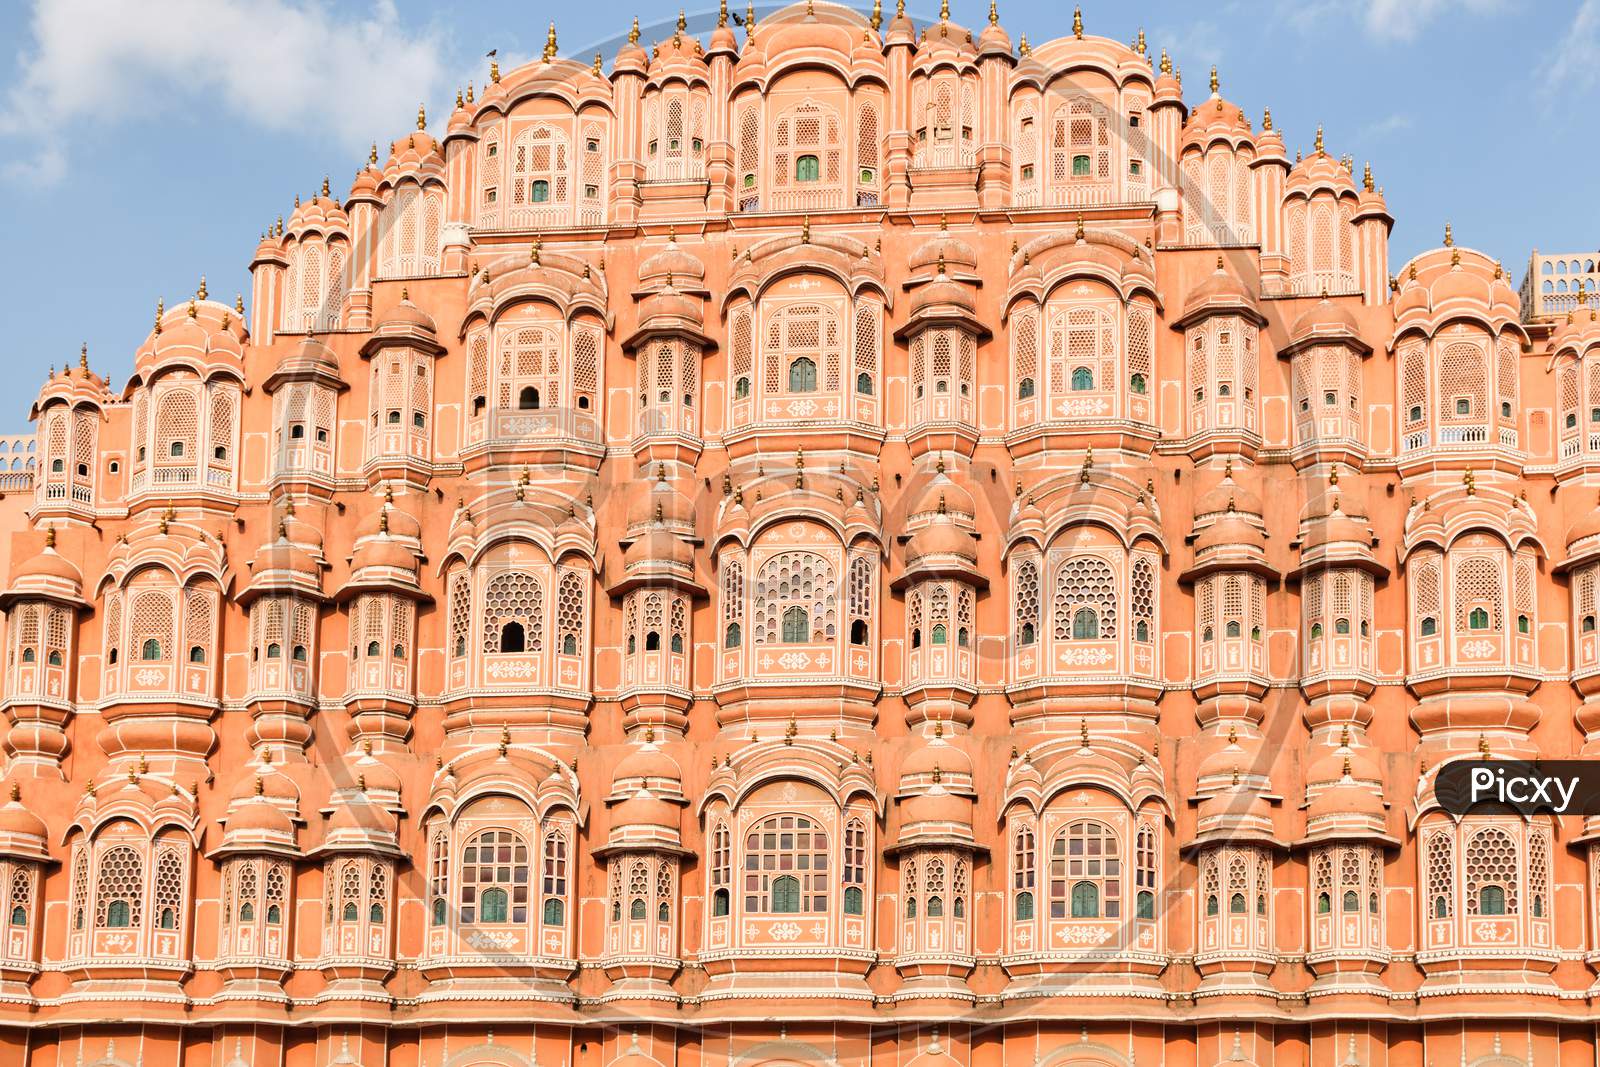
{"x":669,"y":327}
{"x":943,"y":315}
{"x":367,"y":584}
{"x":1257,"y":567}
{"x":959,"y":570}
{"x":1320,"y":561}
{"x":409,"y":338}
{"x":658,"y":580}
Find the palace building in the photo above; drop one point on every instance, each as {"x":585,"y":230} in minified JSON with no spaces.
{"x":842,"y":540}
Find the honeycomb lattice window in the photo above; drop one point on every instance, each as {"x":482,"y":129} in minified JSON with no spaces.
{"x":786,"y":868}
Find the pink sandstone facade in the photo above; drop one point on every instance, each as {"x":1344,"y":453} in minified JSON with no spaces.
{"x":846,"y":542}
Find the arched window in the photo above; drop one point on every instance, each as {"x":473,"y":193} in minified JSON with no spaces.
{"x":119,"y":892}
{"x":512,"y":639}
{"x":807,"y":169}
{"x":1082,"y":379}
{"x":528,"y":398}
{"x":796,"y":626}
{"x":494,"y":878}
{"x":150,"y":650}
{"x":786,"y":866}
{"x":803,"y":375}
{"x":733,"y":636}
{"x":1085,"y":624}
{"x":858,"y":632}
{"x":1085,"y":857}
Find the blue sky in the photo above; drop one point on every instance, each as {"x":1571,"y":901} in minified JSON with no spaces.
{"x":144,"y":142}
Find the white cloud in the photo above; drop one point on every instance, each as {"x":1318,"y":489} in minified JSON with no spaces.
{"x":1389,"y":124}
{"x":1402,"y":20}
{"x":279,"y":64}
{"x":1576,"y":65}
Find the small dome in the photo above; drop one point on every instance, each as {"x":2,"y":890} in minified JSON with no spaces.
{"x":259,"y":817}
{"x":384,"y":552}
{"x":684,"y":269}
{"x":391,"y":520}
{"x":942,"y":539}
{"x":937,"y":806}
{"x":360,"y":816}
{"x":1346,"y":798}
{"x":646,"y":811}
{"x":944,"y":495}
{"x":1215,"y":119}
{"x":1219,"y":291}
{"x":1324,"y":320}
{"x":944,"y":294}
{"x":937,"y":755}
{"x":406,"y":316}
{"x":1230,"y":530}
{"x":659,"y":545}
{"x":648,"y":762}
{"x":48,"y":564}
{"x":1228,"y":495}
{"x":17,"y":820}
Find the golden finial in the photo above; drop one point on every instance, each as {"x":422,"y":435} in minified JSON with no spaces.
{"x":749,"y":20}
{"x":1500,"y":271}
{"x":1140,"y":47}
{"x":1347,"y":766}
{"x":193,"y":311}
{"x":83,"y":357}
{"x":533,"y":251}
{"x":200,"y":293}
{"x":1449,"y":236}
{"x":1366,"y":176}
{"x":877,"y":15}
{"x":1236,"y":775}
{"x":16,"y":792}
{"x":238,"y":303}
{"x":944,"y":10}
{"x":633,"y":34}
{"x":494,"y":65}
{"x":1023,"y":48}
{"x":1455,"y":257}
{"x":461,"y":101}
{"x":422,"y":121}
{"x":1077,"y":23}
{"x":469,"y":93}
{"x":1344,"y":736}
{"x":49,"y":537}
{"x":940,"y":267}
{"x":1470,"y":480}
{"x":1233,"y":733}
{"x":790,"y":731}
{"x":683,"y":23}
{"x":805,"y":230}
{"x":1079,"y":234}
{"x":598,"y":59}
{"x":1483,"y":745}
{"x":1214,"y":82}
{"x":161,"y":308}
{"x":1318,"y":143}
{"x":1166,"y":62}
{"x":1266,"y":119}
{"x":722,"y":13}
{"x":1412,"y":273}
{"x":1083,"y":732}
{"x":550,"y":43}
{"x":994,"y":14}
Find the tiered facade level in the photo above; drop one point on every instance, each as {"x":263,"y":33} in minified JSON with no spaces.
{"x":843,"y":543}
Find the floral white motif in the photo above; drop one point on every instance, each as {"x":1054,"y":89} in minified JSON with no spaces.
{"x":794,"y":661}
{"x":1083,"y":935}
{"x":148,"y":676}
{"x":802,"y":409}
{"x":491,"y":941}
{"x":1082,"y":407}
{"x":1084,"y":657}
{"x":1490,"y":931}
{"x":786,"y":931}
{"x":1479,"y":649}
{"x":523,"y":669}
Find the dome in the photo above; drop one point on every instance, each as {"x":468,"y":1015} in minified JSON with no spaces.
{"x":1218,"y":292}
{"x":943,"y":495}
{"x":259,"y":817}
{"x":1228,"y":495}
{"x":406,"y":316}
{"x":945,"y":246}
{"x":362,"y":816}
{"x":941,"y":294}
{"x":1325,"y":321}
{"x":682,"y":268}
{"x":648,"y":762}
{"x":646,"y":811}
{"x":17,"y":820}
{"x":319,"y":213}
{"x":660,"y":545}
{"x":389,"y":519}
{"x":1319,"y":171}
{"x":937,"y":755}
{"x":384,"y":552}
{"x":1215,"y":119}
{"x":1230,"y":530}
{"x":48,"y":564}
{"x":1346,"y":798}
{"x":942,"y":539}
{"x":937,"y":806}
